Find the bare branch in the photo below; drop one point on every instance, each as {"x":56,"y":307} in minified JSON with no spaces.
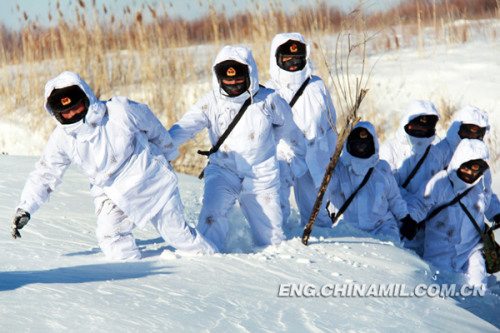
{"x":344,"y":90}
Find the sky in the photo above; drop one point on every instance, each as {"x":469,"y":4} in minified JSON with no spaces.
{"x":189,"y":9}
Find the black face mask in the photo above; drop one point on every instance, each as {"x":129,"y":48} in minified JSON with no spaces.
{"x":233,"y":90}
{"x":360,"y":143}
{"x":299,"y":62}
{"x":471,"y":131}
{"x":295,"y":49}
{"x":76,"y":118}
{"x":232,"y":70}
{"x":422,"y":127}
{"x":65,"y":99}
{"x":477,"y":166}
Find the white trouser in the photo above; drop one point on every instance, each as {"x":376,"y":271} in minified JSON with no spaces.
{"x":259,"y":201}
{"x":285,"y":199}
{"x":476,"y":270}
{"x":114,"y":230}
{"x":305,"y":195}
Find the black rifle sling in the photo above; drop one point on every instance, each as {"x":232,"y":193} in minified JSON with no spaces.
{"x":226,"y":133}
{"x":228,"y":130}
{"x":346,"y":204}
{"x":415,"y":170}
{"x":471,"y":218}
{"x":299,"y":92}
{"x":451,"y":203}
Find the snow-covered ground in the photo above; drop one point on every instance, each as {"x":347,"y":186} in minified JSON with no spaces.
{"x":55,"y":278}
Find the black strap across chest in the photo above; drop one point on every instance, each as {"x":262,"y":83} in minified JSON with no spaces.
{"x":299,"y":92}
{"x":346,"y":204}
{"x":228,"y":130}
{"x":471,"y":218}
{"x":415,"y":169}
{"x":451,"y":203}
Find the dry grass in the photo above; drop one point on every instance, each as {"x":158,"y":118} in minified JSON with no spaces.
{"x":150,"y":57}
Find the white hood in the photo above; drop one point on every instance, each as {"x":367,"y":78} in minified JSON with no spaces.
{"x":361,"y":165}
{"x":467,"y":115}
{"x":291,"y":80}
{"x":416,"y":109}
{"x":66,"y":79}
{"x":242,"y":55}
{"x":467,"y":150}
{"x":96,"y":108}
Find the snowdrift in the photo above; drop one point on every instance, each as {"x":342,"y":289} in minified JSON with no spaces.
{"x":56,"y":279}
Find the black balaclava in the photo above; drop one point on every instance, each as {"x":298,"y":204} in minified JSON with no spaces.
{"x":294,"y":49}
{"x":231,"y":70}
{"x":427,"y":124}
{"x":64,"y":99}
{"x":478,"y":166}
{"x":360,"y":143}
{"x":471,"y":131}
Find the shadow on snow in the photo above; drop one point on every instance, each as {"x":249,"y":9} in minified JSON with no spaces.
{"x":80,"y":274}
{"x":141,"y":244}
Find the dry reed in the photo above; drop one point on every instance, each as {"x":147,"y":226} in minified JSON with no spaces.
{"x":148,"y":55}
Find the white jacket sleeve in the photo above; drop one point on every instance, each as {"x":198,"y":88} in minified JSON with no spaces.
{"x":397,"y":205}
{"x":389,"y":153}
{"x":330,"y":109}
{"x":195,"y":120}
{"x":333,"y":190}
{"x":493,"y":208}
{"x":427,"y":198}
{"x":144,"y":120}
{"x":286,"y":131}
{"x":48,"y":173}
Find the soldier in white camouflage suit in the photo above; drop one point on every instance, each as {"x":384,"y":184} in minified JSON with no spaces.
{"x":313,"y":112}
{"x":125,"y":151}
{"x":245,"y":168}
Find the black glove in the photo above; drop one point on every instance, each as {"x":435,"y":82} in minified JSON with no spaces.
{"x":409,"y":228}
{"x":496,"y":223}
{"x":18,"y":222}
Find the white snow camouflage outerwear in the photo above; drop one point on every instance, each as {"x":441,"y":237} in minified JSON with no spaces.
{"x":467,"y":115}
{"x":404,"y":151}
{"x":250,"y":150}
{"x":378,"y":204}
{"x":446,"y":147}
{"x":121,"y":146}
{"x":245,"y":168}
{"x":450,"y":237}
{"x":313,"y":112}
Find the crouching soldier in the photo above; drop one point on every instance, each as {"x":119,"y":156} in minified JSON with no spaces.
{"x":125,"y":151}
{"x":449,"y":205}
{"x":363,"y":189}
{"x":413,"y":157}
{"x":243,"y":164}
{"x":470,"y":123}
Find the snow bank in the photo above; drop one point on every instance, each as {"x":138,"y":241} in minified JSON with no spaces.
{"x":56,"y":279}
